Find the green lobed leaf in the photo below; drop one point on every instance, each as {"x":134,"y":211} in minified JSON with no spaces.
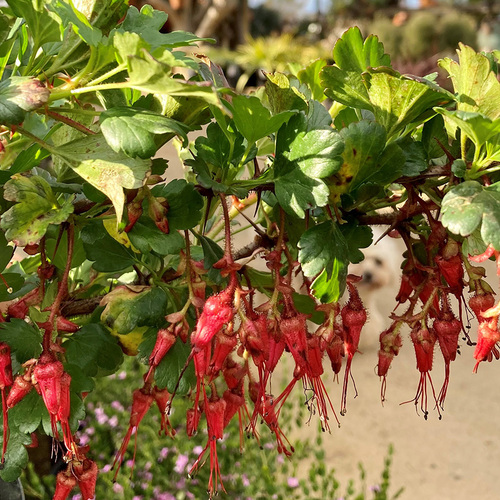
{"x":470,"y":204}
{"x":399,"y":101}
{"x":149,"y":75}
{"x":352,"y":53}
{"x":478,"y":127}
{"x":476,"y":86}
{"x":110,"y":172}
{"x":108,"y":255}
{"x":323,"y":252}
{"x":148,"y":22}
{"x":181,"y":194}
{"x":146,"y":237}
{"x":16,"y":456}
{"x":169,"y":370}
{"x":254,"y":121}
{"x":42,"y":27}
{"x":138,"y":132}
{"x":433,"y":134}
{"x":25,"y":341}
{"x":69,"y":14}
{"x":356,"y":237}
{"x":416,"y":159}
{"x":282,"y":95}
{"x":295,"y":191}
{"x":317,"y":152}
{"x":28,"y":413}
{"x":215,"y":149}
{"x":130,"y":307}
{"x":92,"y":348}
{"x":211,"y":254}
{"x":310,"y":75}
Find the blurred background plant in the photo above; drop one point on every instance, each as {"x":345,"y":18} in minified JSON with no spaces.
{"x":162,"y":463}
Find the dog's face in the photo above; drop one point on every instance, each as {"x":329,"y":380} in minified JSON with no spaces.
{"x":380,"y":267}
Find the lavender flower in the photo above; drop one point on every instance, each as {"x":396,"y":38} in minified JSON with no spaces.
{"x":292,"y":482}
{"x":180,"y":464}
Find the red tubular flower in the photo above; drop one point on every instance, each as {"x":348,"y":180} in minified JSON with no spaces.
{"x":294,"y":332}
{"x":224,"y":345}
{"x":214,"y":412}
{"x":447,"y":329}
{"x":87,"y":479}
{"x":217,"y":312}
{"x":141,"y":403}
{"x":162,"y":398}
{"x":423,"y":342}
{"x":21,"y":387}
{"x":164,"y":342}
{"x":192,"y":421}
{"x":353,"y":318}
{"x":65,"y":482}
{"x":487,"y":337}
{"x":48,"y":374}
{"x":5,"y":381}
{"x":64,"y":411}
{"x":390,"y":344}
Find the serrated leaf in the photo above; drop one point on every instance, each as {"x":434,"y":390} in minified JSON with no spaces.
{"x":24,"y":340}
{"x":215,"y":149}
{"x":57,"y":248}
{"x":211,"y":254}
{"x":70,"y":15}
{"x":167,"y":373}
{"x":416,"y":160}
{"x":296,"y":192}
{"x":16,"y":457}
{"x":478,"y":127}
{"x":27,"y":414}
{"x":352,"y":53}
{"x":129,"y":307}
{"x":366,"y":159}
{"x":148,"y":22}
{"x":92,"y":348}
{"x":311,"y":77}
{"x":108,"y":255}
{"x":108,"y":171}
{"x":80,"y":381}
{"x":282,"y":95}
{"x":317,"y":152}
{"x":434,"y":133}
{"x":254,"y":121}
{"x":475,"y":84}
{"x":42,"y":27}
{"x":149,"y":75}
{"x":179,"y":195}
{"x":356,"y":237}
{"x":323,"y":252}
{"x":319,"y":247}
{"x":146,"y":237}
{"x":399,"y":101}
{"x":470,"y":204}
{"x":137,"y":132}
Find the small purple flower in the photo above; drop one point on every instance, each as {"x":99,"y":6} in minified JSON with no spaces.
{"x":83,"y":440}
{"x":144,"y":486}
{"x":181,"y":484}
{"x":116,"y":405}
{"x":180,"y":464}
{"x":76,"y":497}
{"x":148,"y":465}
{"x":101,"y":416}
{"x":148,"y":476}
{"x":245,"y":480}
{"x":197,"y":450}
{"x":164,"y":496}
{"x":113,"y":421}
{"x":280,"y":459}
{"x":293,"y":482}
{"x":375,"y":488}
{"x":90,"y":431}
{"x":269,"y":446}
{"x":189,"y":495}
{"x":118,"y":488}
{"x":129,"y":463}
{"x":122,"y":375}
{"x":106,"y":468}
{"x":137,"y":497}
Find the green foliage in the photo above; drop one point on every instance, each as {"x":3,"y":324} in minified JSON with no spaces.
{"x":122,"y":258}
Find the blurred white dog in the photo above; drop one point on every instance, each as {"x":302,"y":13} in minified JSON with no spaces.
{"x":380,"y":277}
